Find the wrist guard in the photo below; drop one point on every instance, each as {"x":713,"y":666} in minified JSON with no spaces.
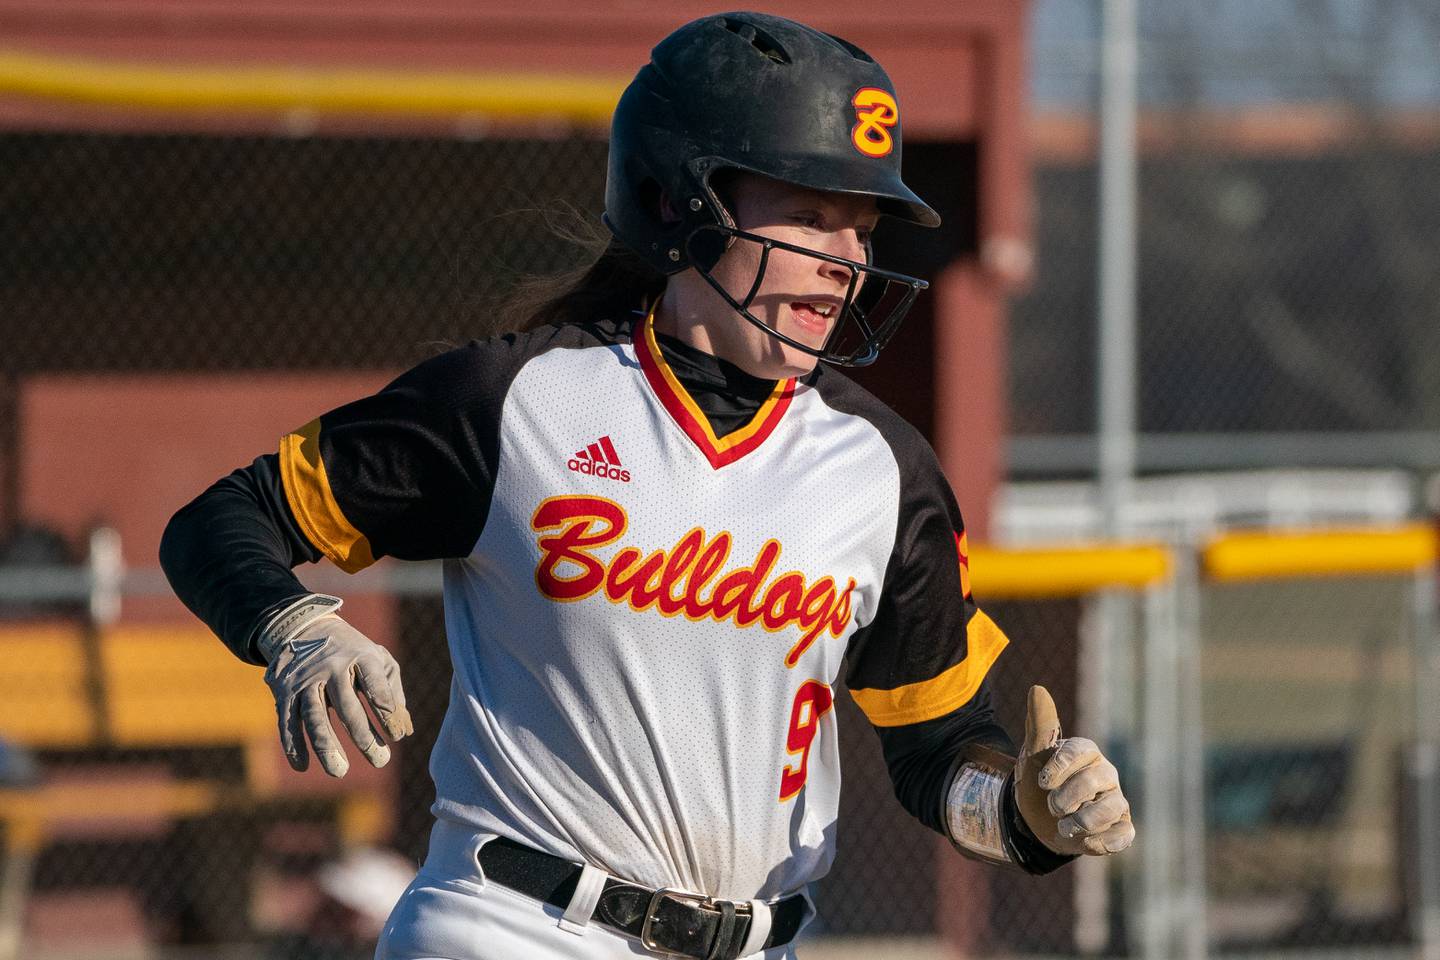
{"x":290,"y":619}
{"x":983,"y":820}
{"x":974,"y":809}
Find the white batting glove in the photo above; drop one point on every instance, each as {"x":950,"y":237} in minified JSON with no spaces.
{"x":318,"y":662}
{"x":1068,"y":793}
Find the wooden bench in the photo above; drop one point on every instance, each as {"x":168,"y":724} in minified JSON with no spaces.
{"x":122,"y":691}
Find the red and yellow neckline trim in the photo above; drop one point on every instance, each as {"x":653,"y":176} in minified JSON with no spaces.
{"x":687,"y":414}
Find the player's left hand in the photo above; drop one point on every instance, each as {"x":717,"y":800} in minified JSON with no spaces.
{"x":1068,"y":793}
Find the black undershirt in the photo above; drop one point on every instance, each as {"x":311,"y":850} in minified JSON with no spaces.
{"x":728,"y":396}
{"x":229,"y":553}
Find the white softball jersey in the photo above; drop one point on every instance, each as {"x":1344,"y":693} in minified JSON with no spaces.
{"x":647,"y":621}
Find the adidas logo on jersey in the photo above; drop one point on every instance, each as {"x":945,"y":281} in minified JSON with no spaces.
{"x":600,"y":460}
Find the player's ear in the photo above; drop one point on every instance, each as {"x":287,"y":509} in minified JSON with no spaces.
{"x":668,"y":214}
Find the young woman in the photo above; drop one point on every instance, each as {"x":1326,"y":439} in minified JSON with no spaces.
{"x":665,"y":525}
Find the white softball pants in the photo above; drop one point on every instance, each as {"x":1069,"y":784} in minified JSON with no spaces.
{"x":449,"y":912}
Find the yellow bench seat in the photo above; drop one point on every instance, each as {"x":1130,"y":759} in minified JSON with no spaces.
{"x":158,"y":686}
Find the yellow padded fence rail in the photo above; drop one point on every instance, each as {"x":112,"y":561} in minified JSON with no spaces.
{"x":1272,"y":555}
{"x":247,"y":89}
{"x":1065,"y":571}
{"x":160,"y":686}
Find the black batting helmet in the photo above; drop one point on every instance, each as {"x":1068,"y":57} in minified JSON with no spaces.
{"x":759,"y":93}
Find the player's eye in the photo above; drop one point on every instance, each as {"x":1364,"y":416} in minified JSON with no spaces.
{"x":808,"y":218}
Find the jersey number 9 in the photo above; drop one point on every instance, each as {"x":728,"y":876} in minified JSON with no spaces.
{"x":812,"y":701}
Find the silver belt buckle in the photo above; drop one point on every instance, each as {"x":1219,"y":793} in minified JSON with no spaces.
{"x":647,"y":940}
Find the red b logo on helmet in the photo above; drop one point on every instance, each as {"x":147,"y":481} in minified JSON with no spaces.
{"x":875,"y":113}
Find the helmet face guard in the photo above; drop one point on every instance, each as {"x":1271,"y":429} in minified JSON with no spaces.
{"x":875,"y":301}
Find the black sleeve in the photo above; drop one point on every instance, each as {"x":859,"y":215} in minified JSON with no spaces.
{"x":390,"y":473}
{"x":923,"y":757}
{"x":228,"y":553}
{"x":926,"y":652}
{"x":919,"y":668}
{"x":401,"y":473}
{"x":409,"y":471}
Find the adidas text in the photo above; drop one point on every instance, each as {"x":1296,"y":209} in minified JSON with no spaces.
{"x":591,"y":468}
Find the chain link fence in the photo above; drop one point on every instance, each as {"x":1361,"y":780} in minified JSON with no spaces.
{"x":1287,"y":225}
{"x":231,"y":253}
{"x":1276,"y":295}
{"x":1286,"y":309}
{"x":1319,"y":748}
{"x":1308,"y":716}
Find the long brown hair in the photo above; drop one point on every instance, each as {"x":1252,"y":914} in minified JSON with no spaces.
{"x":612,"y":281}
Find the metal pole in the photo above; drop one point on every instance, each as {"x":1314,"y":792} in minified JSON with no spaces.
{"x":1115,"y":430}
{"x":1116,"y":307}
{"x":1426,"y":640}
{"x":1194,"y":943}
{"x":1096,"y":675}
{"x":107,"y":573}
{"x":107,"y":576}
{"x":1155,"y":819}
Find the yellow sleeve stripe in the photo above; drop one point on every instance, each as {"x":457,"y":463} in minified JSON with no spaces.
{"x":307,"y":490}
{"x":928,"y":699}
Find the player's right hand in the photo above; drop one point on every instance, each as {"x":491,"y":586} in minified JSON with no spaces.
{"x":326,"y":665}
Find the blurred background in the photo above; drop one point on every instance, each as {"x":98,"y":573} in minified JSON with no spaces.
{"x":1181,"y":361}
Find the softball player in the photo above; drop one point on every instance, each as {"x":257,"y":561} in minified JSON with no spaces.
{"x":665,"y":527}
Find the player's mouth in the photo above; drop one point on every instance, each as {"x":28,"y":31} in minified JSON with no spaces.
{"x":813,"y":316}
